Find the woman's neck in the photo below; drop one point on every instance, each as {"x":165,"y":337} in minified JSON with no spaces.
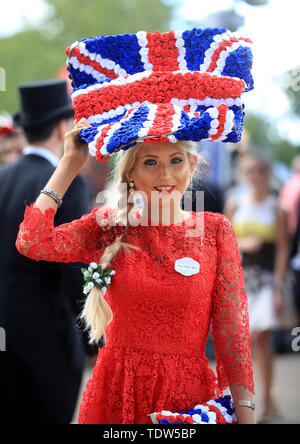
{"x":258,"y":194}
{"x":166,"y":216}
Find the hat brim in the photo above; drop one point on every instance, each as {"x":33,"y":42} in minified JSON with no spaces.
{"x":28,"y":121}
{"x":163,"y":123}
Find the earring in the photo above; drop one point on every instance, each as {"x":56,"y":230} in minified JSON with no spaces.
{"x":191,"y":182}
{"x":131,"y":185}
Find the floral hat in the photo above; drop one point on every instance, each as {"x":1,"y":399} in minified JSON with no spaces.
{"x":159,"y":87}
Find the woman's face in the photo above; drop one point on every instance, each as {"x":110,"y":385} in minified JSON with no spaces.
{"x":162,"y":165}
{"x":256,"y":174}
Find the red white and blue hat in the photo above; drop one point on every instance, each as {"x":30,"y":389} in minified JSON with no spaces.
{"x":160,"y":87}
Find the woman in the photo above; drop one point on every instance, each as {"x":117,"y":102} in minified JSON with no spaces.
{"x":260,"y":226}
{"x":155,"y":331}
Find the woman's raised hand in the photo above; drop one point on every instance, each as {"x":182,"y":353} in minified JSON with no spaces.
{"x":75,"y":155}
{"x":74,"y":149}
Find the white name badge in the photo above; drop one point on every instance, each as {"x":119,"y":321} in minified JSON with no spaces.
{"x":187,"y":266}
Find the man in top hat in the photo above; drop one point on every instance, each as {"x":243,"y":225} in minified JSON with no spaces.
{"x":42,"y":365}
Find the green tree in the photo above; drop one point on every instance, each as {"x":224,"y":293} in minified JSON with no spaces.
{"x":264,"y":135}
{"x":39,"y":53}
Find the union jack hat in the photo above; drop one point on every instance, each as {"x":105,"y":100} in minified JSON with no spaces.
{"x":159,"y":87}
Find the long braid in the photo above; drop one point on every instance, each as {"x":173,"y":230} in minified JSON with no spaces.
{"x":96,"y":313}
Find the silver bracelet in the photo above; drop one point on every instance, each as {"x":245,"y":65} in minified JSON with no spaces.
{"x":249,"y":404}
{"x":55,"y":196}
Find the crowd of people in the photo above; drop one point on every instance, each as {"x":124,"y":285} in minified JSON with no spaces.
{"x":40,"y":301}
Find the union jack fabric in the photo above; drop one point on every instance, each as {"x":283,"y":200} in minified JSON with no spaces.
{"x":160,"y":87}
{"x":214,"y":411}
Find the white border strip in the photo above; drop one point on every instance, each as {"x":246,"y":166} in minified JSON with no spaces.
{"x":180,"y":103}
{"x":143,"y":132}
{"x":105,"y":63}
{"x":144,"y":51}
{"x":228,"y":125}
{"x":179,"y":43}
{"x":227,"y":52}
{"x":120,"y":81}
{"x":218,"y":39}
{"x":88,"y":69}
{"x":175,"y":123}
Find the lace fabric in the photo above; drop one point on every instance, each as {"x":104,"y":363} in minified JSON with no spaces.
{"x":230,"y":325}
{"x":77,"y":241}
{"x":154,"y":354}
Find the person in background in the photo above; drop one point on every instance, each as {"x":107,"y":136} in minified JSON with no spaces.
{"x":295,"y":267}
{"x":203,"y":194}
{"x":290,"y":195}
{"x":260,"y":224}
{"x":213,"y":199}
{"x":41,"y":369}
{"x":12,"y":140}
{"x":95,"y":173}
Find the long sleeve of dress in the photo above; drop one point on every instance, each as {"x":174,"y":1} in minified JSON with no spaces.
{"x":230,"y":325}
{"x":77,"y":241}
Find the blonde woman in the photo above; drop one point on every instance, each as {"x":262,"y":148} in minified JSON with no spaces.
{"x":158,"y":276}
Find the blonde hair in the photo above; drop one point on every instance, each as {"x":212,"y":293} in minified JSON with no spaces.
{"x":96,"y":313}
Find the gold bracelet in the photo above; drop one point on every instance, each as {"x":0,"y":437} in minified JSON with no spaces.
{"x":245,"y":403}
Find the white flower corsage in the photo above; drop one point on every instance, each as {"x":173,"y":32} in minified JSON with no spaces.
{"x":95,"y":276}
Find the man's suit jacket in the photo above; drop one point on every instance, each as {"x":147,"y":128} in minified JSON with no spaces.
{"x":41,"y":369}
{"x":213,"y":197}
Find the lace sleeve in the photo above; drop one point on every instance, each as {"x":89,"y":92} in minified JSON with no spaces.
{"x":77,"y":241}
{"x":230,"y":324}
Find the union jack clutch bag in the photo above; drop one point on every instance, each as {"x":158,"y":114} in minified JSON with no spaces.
{"x":215,"y":411}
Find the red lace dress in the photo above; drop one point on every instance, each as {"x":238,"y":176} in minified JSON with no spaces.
{"x":154,"y":355}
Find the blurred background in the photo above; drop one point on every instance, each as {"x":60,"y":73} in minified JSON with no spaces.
{"x":33,"y":38}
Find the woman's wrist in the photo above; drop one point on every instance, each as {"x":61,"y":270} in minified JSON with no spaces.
{"x":61,"y":179}
{"x":245,"y":415}
{"x":71,"y":163}
{"x":278,"y":283}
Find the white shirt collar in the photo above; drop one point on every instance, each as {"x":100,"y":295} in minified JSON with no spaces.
{"x":43,"y":152}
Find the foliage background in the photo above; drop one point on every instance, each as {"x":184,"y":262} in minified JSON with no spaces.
{"x":38,"y":52}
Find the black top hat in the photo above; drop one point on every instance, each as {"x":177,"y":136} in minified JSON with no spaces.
{"x":42,"y":102}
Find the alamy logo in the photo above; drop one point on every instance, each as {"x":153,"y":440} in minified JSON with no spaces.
{"x":2,"y":339}
{"x":296,"y":80}
{"x":2,"y":79}
{"x":140,"y":200}
{"x":296,"y":341}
